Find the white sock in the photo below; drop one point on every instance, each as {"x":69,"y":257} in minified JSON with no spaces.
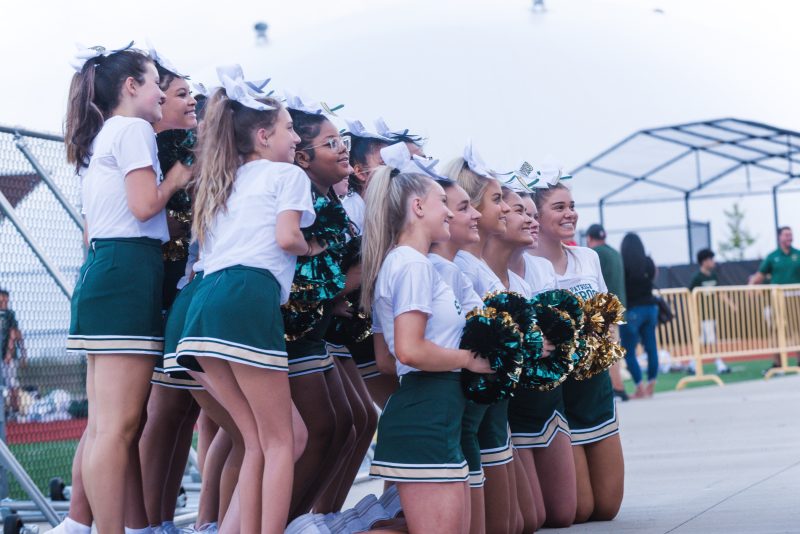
{"x":70,"y":526}
{"x":168,"y":526}
{"x":145,"y":530}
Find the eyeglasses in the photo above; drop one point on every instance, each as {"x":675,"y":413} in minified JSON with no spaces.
{"x":335,"y":143}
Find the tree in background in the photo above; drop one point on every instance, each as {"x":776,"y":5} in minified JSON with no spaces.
{"x":739,"y":238}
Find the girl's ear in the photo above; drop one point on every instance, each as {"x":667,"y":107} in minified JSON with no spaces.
{"x":262,"y":138}
{"x":302,"y":158}
{"x":416,"y":206}
{"x":130,"y":86}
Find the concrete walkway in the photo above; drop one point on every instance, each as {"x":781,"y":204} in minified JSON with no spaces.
{"x":707,"y":460}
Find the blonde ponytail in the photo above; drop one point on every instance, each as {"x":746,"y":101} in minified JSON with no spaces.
{"x":386,"y":202}
{"x":225,"y":139}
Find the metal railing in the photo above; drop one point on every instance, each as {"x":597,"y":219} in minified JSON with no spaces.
{"x":731,"y":322}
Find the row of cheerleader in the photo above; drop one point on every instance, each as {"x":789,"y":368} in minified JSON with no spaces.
{"x":289,"y":288}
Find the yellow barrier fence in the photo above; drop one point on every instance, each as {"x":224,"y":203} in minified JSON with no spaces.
{"x":731,"y":322}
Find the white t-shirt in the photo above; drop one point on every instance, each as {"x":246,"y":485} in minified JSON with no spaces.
{"x":459,"y":283}
{"x":517,"y":284}
{"x":539,"y":274}
{"x":583,"y":275}
{"x":355,"y":207}
{"x":407,"y":281}
{"x":124,"y":144}
{"x":482,"y":277}
{"x":244,"y":233}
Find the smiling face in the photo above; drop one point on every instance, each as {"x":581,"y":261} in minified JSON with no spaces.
{"x":146,"y":97}
{"x":433,"y":213}
{"x":178,"y":109}
{"x":558,"y":217}
{"x":464,"y":224}
{"x":279,"y":143}
{"x":325,"y":166}
{"x":493,"y":210}
{"x":518,"y":225}
{"x":533,"y":213}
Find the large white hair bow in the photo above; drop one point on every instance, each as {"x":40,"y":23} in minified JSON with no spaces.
{"x":232,"y":79}
{"x":161,"y":60}
{"x":398,"y":157}
{"x":85,"y":53}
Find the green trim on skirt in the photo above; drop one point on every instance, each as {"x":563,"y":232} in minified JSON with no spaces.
{"x":590,"y":408}
{"x":235,"y":315}
{"x":419,"y":433}
{"x":494,"y":437}
{"x":116,"y":304}
{"x":536,"y":417}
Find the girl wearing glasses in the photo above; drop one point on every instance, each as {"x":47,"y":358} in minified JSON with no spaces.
{"x":322,"y":389}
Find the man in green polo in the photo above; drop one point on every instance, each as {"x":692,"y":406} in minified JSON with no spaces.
{"x":781,"y":266}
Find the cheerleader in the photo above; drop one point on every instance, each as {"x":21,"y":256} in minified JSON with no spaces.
{"x":464,"y":231}
{"x":114,"y":99}
{"x":539,"y":428}
{"x":332,"y":404}
{"x":422,"y":321}
{"x":588,"y":404}
{"x":525,"y":496}
{"x":250,"y":205}
{"x":365,"y":158}
{"x":171,"y":412}
{"x":494,"y":443}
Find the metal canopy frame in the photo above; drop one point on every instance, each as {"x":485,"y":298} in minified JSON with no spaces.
{"x":745,"y":144}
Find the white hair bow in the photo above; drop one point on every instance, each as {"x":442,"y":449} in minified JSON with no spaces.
{"x":356,"y":128}
{"x":312,"y":107}
{"x":384,"y":130}
{"x":85,"y":53}
{"x":547,"y":176}
{"x":398,"y":157}
{"x":476,"y":163}
{"x":161,"y":60}
{"x":232,"y":79}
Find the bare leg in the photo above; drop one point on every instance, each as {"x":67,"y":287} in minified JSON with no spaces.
{"x":269,"y":397}
{"x":381,"y":388}
{"x":79,"y":509}
{"x":365,"y":421}
{"x":607,"y":473}
{"x":206,"y":432}
{"x":426,"y":504}
{"x":166,"y":409}
{"x":496,"y":498}
{"x":529,"y":498}
{"x":180,"y":458}
{"x":121,"y":383}
{"x":555,"y":466}
{"x":135,"y":510}
{"x":477,"y":521}
{"x":311,"y":397}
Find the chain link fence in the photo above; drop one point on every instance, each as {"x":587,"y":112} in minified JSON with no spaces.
{"x":41,"y":251}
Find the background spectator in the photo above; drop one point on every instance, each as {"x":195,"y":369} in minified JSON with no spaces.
{"x":13,"y":350}
{"x":642,"y":314}
{"x":707,"y":277}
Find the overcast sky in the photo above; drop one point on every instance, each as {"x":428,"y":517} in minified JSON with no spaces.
{"x":566,"y":83}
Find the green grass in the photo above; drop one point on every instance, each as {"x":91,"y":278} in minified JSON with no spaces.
{"x":43,"y":461}
{"x":741,"y":370}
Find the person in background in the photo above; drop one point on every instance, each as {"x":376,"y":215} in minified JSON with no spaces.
{"x":13,"y":350}
{"x":641,"y":315}
{"x":707,"y":277}
{"x":782,"y":265}
{"x":614,"y":274}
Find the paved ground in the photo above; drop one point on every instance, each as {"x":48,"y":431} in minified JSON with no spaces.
{"x":707,"y":460}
